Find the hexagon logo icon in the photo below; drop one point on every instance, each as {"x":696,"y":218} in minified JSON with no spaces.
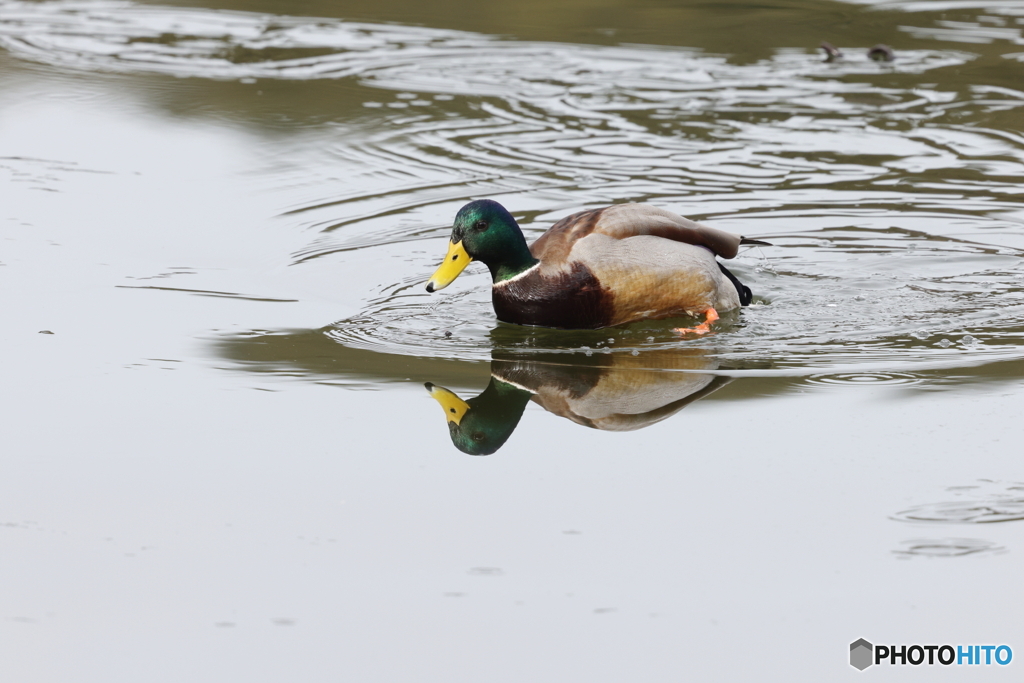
{"x":861,"y":652}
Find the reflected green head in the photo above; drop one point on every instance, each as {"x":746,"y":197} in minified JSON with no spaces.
{"x":482,"y":434}
{"x":482,"y":425}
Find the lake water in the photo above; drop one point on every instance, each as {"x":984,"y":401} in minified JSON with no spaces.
{"x":219,"y":458}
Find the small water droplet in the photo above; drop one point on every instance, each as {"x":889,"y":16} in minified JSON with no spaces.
{"x":944,"y":343}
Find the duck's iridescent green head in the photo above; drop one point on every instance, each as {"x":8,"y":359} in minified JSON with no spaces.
{"x":485,"y":231}
{"x":481,"y":425}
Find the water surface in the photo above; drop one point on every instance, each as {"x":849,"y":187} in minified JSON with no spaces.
{"x":222,"y":217}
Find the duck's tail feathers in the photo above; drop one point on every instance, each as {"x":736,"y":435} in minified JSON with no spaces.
{"x":746,"y":296}
{"x":749,"y":240}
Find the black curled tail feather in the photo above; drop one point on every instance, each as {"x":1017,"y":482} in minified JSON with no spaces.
{"x":746,"y":296}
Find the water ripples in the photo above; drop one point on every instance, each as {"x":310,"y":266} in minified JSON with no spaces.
{"x":856,"y":300}
{"x":947,"y":547}
{"x":967,"y":512}
{"x":865,"y":378}
{"x":987,"y":502}
{"x":889,"y":190}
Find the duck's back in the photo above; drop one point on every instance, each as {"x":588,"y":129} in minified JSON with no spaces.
{"x":623,"y":221}
{"x":611,"y":266}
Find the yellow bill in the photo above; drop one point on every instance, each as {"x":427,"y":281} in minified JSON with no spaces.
{"x":454,"y":262}
{"x":454,"y":407}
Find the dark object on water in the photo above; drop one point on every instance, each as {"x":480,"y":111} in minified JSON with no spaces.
{"x":881,"y":53}
{"x":597,"y":268}
{"x":45,"y":332}
{"x":832,"y":52}
{"x":447,"y":334}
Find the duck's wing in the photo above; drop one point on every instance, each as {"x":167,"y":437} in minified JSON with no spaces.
{"x":629,"y":220}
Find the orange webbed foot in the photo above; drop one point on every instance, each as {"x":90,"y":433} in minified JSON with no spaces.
{"x":710,"y":316}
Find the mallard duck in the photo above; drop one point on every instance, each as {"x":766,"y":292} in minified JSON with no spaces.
{"x":597,"y":268}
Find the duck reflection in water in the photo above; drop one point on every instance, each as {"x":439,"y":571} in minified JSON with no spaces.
{"x":615,"y":392}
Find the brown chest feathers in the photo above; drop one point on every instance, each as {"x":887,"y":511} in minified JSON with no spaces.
{"x":572,"y":299}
